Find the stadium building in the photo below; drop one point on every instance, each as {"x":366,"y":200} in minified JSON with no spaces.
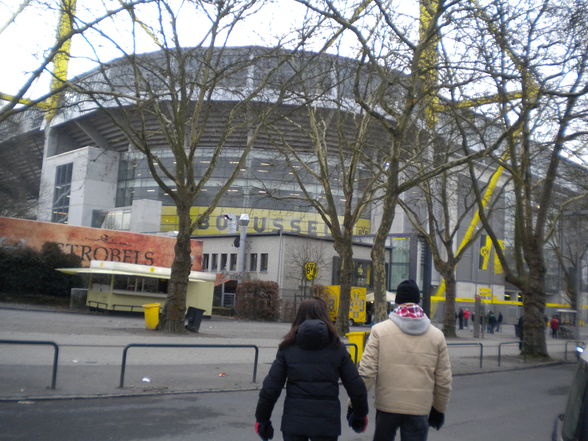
{"x":81,"y":169}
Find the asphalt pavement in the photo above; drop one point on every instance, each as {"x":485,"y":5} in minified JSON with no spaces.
{"x":87,"y":355}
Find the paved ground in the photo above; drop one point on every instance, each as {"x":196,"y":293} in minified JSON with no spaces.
{"x":91,"y":347}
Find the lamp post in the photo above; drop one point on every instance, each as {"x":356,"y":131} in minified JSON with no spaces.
{"x":243,"y":223}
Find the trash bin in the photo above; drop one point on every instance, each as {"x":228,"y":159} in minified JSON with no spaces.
{"x":193,"y":318}
{"x":151,"y":315}
{"x":359,"y":339}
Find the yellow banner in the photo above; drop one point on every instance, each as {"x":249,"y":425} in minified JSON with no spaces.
{"x":260,"y":221}
{"x":486,"y":251}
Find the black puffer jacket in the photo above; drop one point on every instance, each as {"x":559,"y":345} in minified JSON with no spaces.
{"x":311,"y":369}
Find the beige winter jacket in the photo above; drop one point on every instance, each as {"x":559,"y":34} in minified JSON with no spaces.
{"x":407,"y":360}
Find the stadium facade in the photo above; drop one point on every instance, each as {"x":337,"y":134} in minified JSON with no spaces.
{"x":81,"y":169}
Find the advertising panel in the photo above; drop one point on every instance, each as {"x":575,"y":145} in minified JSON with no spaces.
{"x":260,"y":221}
{"x":357,"y":304}
{"x":95,"y":243}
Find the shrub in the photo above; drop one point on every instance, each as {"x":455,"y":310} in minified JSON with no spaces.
{"x":257,"y":300}
{"x":26,"y":271}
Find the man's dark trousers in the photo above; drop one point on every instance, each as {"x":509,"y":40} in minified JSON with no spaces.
{"x":412,"y":427}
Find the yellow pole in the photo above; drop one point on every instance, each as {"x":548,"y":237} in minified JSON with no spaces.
{"x":61,"y":60}
{"x":429,"y":40}
{"x":475,"y":219}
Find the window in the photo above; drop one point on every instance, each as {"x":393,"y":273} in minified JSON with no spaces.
{"x":400,"y":266}
{"x":127,"y":283}
{"x":253,"y":262}
{"x":263,"y":262}
{"x":150,"y":285}
{"x":223,"y":265}
{"x":61,"y":193}
{"x":140,"y":284}
{"x":214,"y":264}
{"x":100,"y":282}
{"x":205,"y":261}
{"x":233,"y":261}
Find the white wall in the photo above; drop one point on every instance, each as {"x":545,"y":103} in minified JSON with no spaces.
{"x":145,"y":216}
{"x":93,"y":185}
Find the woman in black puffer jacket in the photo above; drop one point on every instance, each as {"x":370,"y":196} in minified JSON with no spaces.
{"x":310,"y":360}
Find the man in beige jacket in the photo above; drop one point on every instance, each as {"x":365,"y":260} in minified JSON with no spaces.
{"x":406,"y":359}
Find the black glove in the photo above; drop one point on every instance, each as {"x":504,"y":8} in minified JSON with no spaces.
{"x":436,"y":418}
{"x":264,"y":430}
{"x":358,"y":424}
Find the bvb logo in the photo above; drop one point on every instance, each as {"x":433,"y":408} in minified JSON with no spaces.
{"x":485,"y":251}
{"x":310,"y":270}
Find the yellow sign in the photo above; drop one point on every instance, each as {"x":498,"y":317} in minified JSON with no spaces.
{"x":310,"y":270}
{"x":357,"y":304}
{"x":260,"y":221}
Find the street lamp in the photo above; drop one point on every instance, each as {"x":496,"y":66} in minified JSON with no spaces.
{"x":243,"y":223}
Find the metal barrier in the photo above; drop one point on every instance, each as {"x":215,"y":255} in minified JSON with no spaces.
{"x":471,"y":344}
{"x":130,"y":308}
{"x":40,"y":342}
{"x":356,"y":350}
{"x":164,"y":345}
{"x":97,"y":305}
{"x":518,"y":342}
{"x":566,"y":347}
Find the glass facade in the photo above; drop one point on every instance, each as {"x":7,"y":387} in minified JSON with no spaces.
{"x":263,"y":183}
{"x":62,"y":191}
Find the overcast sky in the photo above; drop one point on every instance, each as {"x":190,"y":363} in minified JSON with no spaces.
{"x":23,"y":42}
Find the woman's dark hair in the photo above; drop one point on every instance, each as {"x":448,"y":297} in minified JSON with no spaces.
{"x":314,"y":308}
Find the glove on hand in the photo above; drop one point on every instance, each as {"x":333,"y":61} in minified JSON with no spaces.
{"x":264,"y":430}
{"x":436,"y":418}
{"x":358,"y":424}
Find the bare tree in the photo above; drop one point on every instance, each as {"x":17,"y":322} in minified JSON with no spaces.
{"x":402,"y":95}
{"x":440,"y":220}
{"x":537,"y":49}
{"x":305,"y":257}
{"x":181,"y":107}
{"x":330,"y":174}
{"x":570,"y":245}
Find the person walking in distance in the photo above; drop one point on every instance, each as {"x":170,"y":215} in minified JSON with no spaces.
{"x":554,"y":325}
{"x":310,"y":361}
{"x":406,"y":358}
{"x":466,"y":317}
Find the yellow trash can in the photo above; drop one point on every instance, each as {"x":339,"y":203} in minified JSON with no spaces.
{"x":358,"y":339}
{"x":151,"y":315}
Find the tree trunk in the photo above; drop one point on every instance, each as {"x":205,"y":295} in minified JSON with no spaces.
{"x":534,"y":316}
{"x":345,"y":251}
{"x":378,"y":253}
{"x":449,"y":314}
{"x":172,"y":318}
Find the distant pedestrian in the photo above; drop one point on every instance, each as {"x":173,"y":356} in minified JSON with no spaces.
{"x":466,"y":317}
{"x":554,"y":325}
{"x":491,"y":320}
{"x":460,"y":317}
{"x":520,"y":333}
{"x":310,"y":361}
{"x":499,"y":322}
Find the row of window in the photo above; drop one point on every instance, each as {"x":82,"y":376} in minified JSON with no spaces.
{"x":131,"y":283}
{"x":228,"y":262}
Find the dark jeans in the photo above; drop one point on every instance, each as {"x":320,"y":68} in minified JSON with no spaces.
{"x":412,"y":427}
{"x":295,"y":437}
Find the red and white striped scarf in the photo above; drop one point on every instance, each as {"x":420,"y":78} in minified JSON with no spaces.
{"x":411,"y":310}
